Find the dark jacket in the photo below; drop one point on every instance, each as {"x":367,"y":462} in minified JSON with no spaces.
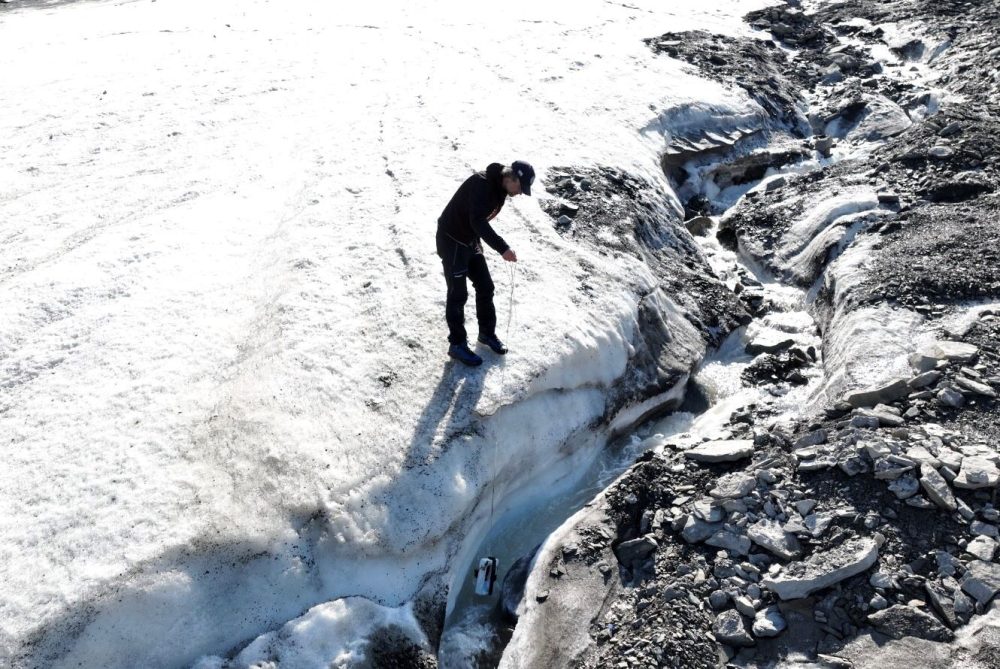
{"x":477,"y":201}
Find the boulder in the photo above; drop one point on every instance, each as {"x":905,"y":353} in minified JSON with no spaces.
{"x":724,"y":450}
{"x":904,"y":487}
{"x":900,"y":620}
{"x":823,"y":569}
{"x":880,"y":119}
{"x":729,"y":628}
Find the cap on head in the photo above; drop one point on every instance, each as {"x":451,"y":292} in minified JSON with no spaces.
{"x":525,"y":174}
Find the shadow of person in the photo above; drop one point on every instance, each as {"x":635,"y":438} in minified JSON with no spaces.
{"x":450,"y":411}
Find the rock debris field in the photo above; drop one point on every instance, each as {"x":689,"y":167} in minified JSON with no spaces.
{"x":867,"y":534}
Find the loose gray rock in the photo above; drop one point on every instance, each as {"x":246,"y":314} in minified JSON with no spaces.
{"x":823,"y":569}
{"x":769,"y":622}
{"x":899,"y":620}
{"x":696,"y":530}
{"x":977,"y":472}
{"x":724,"y":450}
{"x":904,"y":487}
{"x":745,"y":606}
{"x":718,"y":599}
{"x":979,"y":528}
{"x":882,"y":418}
{"x":950,"y":397}
{"x":869,"y":397}
{"x":770,"y":536}
{"x":982,"y":580}
{"x":936,"y":487}
{"x":975,"y":387}
{"x":730,"y":486}
{"x":730,"y":541}
{"x":942,"y":602}
{"x":881,"y":580}
{"x":929,"y":355}
{"x":804,"y":506}
{"x":824,"y":145}
{"x":635,"y":550}
{"x":925,"y":379}
{"x":982,"y":547}
{"x":729,"y":628}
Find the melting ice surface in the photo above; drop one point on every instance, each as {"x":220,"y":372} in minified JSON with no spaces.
{"x":224,"y":401}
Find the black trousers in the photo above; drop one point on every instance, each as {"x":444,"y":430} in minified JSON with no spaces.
{"x":461,"y":261}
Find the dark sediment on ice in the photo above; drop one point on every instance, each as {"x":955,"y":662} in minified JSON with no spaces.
{"x":867,"y":535}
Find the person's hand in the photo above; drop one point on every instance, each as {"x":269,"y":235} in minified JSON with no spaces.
{"x":509,"y":255}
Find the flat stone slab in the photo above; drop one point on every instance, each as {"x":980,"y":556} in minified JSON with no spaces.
{"x":982,"y":580}
{"x":736,"y":544}
{"x":928,"y":378}
{"x":900,"y":620}
{"x":977,"y":472}
{"x":975,"y":387}
{"x":723,"y":450}
{"x":823,"y":569}
{"x":869,"y":397}
{"x":769,"y":535}
{"x":929,"y":355}
{"x":937,"y":488}
{"x":731,"y":486}
{"x":982,"y":547}
{"x":883,"y":418}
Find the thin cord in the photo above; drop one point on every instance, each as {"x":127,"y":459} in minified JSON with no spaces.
{"x":503,"y":378}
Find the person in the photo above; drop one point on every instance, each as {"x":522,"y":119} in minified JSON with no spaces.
{"x":462,"y":228}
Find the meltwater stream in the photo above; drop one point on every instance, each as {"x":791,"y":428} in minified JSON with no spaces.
{"x":474,"y":628}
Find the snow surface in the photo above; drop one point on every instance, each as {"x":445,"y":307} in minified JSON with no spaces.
{"x":225,"y":400}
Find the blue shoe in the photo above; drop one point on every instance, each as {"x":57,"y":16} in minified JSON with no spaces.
{"x":462,"y":353}
{"x":493,"y":343}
